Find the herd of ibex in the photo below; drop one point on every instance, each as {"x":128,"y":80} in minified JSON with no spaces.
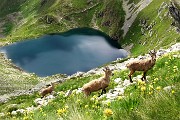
{"x":103,"y":82}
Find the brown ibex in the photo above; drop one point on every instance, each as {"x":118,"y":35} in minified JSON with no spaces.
{"x":47,"y":90}
{"x":142,"y":65}
{"x":98,"y":84}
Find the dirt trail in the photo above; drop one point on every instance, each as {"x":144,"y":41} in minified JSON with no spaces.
{"x":132,"y":11}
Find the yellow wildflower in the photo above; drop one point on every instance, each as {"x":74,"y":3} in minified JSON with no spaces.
{"x":94,"y":96}
{"x":78,"y":101}
{"x":93,"y":106}
{"x":143,"y":88}
{"x":156,"y":79}
{"x":158,"y":88}
{"x":172,"y":91}
{"x":66,"y":107}
{"x":96,"y":102}
{"x":175,"y":67}
{"x":25,"y":118}
{"x":141,"y":83}
{"x":61,"y":111}
{"x":61,"y":93}
{"x":108,"y":103}
{"x":41,"y":110}
{"x":120,"y":97}
{"x":108,"y":112}
{"x":151,"y":92}
{"x":86,"y":106}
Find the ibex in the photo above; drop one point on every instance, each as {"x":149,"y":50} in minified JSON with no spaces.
{"x":98,"y":84}
{"x":142,"y":65}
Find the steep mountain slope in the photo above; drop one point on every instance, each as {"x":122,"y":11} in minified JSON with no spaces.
{"x":152,"y":29}
{"x":35,"y":18}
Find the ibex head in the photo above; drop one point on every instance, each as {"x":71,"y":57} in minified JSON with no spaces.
{"x":152,"y":53}
{"x":107,"y":71}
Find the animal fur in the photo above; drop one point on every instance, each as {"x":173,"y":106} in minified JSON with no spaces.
{"x":98,"y":84}
{"x":47,"y":90}
{"x":142,"y":65}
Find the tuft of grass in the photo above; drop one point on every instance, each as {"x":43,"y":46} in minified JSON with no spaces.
{"x":72,"y":83}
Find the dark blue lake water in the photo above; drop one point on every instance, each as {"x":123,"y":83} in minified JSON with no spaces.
{"x":76,"y":50}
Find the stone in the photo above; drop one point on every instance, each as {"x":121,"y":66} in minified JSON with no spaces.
{"x":117,"y":80}
{"x":111,"y":96}
{"x":50,"y":97}
{"x":2,"y":114}
{"x":20,"y":111}
{"x":120,"y":91}
{"x":38,"y":99}
{"x":68,"y":93}
{"x":167,"y":88}
{"x":13,"y":113}
{"x":126,"y":83}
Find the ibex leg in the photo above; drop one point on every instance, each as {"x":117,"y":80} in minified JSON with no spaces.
{"x":132,"y":72}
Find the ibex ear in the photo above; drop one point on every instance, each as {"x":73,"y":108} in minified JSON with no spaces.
{"x":154,"y":51}
{"x":105,"y":69}
{"x":150,"y":52}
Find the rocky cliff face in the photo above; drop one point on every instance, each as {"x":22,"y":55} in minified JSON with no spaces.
{"x":175,"y":13}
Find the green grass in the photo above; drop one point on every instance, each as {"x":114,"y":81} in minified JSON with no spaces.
{"x":115,"y":16}
{"x":8,"y":26}
{"x":134,"y":1}
{"x":10,"y":7}
{"x":166,"y":34}
{"x":71,"y":83}
{"x":12,"y":79}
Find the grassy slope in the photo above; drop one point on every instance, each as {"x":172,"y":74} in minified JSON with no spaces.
{"x":12,"y":79}
{"x":34,"y":23}
{"x":150,"y":103}
{"x":9,"y":7}
{"x":163,"y":33}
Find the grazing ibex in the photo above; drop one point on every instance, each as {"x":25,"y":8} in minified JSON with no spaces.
{"x":142,"y":65}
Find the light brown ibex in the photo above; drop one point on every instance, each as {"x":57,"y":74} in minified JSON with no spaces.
{"x":47,"y":90}
{"x":142,"y":65}
{"x":98,"y":84}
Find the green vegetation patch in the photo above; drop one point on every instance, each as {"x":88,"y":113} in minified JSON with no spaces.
{"x":156,"y":32}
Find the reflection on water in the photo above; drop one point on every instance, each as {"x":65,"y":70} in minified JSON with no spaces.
{"x":63,"y":53}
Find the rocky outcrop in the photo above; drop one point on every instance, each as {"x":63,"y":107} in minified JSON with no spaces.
{"x":132,"y":10}
{"x":175,"y":13}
